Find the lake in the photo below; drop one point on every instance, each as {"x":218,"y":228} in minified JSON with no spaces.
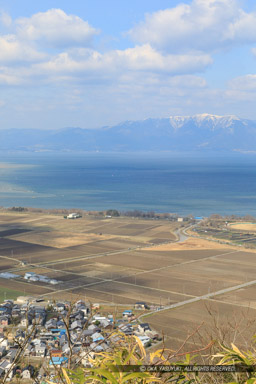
{"x":160,"y":182}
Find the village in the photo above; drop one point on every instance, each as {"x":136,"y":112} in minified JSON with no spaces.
{"x":38,"y":337}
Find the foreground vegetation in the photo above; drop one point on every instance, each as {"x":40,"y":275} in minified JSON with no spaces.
{"x":109,"y":367}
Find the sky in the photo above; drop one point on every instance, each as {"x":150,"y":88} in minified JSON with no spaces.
{"x":96,"y":63}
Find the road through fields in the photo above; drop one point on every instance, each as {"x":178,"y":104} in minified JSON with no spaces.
{"x":198,"y":298}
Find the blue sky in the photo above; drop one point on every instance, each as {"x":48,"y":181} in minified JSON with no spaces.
{"x":90,"y":64}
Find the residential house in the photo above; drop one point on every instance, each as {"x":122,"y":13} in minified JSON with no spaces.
{"x":28,"y":372}
{"x":40,"y":350}
{"x":5,"y":365}
{"x":24,"y":322}
{"x":144,"y":339}
{"x":127,"y":329}
{"x":4,"y":321}
{"x":96,"y":337}
{"x":58,"y":361}
{"x":127,"y":313}
{"x":77,"y":324}
{"x":56,"y":353}
{"x":144,"y":327}
{"x":11,"y":354}
{"x":141,"y":305}
{"x":52,"y":323}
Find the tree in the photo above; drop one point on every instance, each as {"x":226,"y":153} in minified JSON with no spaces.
{"x":113,"y":212}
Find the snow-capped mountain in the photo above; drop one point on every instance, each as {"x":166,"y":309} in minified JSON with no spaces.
{"x":203,"y":132}
{"x":206,"y":120}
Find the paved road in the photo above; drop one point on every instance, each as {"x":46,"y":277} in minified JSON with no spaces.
{"x":180,"y":235}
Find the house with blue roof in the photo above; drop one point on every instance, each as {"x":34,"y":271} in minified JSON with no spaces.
{"x":58,"y":361}
{"x":97,"y":337}
{"x":127,"y":312}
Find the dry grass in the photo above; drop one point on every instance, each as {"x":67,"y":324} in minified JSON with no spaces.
{"x":190,"y":244}
{"x":251,"y":227}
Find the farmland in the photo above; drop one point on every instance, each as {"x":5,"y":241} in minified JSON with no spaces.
{"x":123,"y":260}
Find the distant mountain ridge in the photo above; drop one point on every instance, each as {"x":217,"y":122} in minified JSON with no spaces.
{"x":177,"y":133}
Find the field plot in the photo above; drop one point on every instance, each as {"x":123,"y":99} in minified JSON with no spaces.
{"x":60,"y":239}
{"x":250,"y":227}
{"x":7,"y":263}
{"x":217,"y":320}
{"x":119,"y":293}
{"x":11,"y":232}
{"x":197,"y":277}
{"x":244,"y":297}
{"x":24,"y":287}
{"x":103,"y":271}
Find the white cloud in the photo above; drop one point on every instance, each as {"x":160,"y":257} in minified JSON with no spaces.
{"x":145,"y":58}
{"x":31,"y":38}
{"x":243,"y":28}
{"x":13,"y":50}
{"x":187,"y":81}
{"x":56,"y":28}
{"x":243,"y":83}
{"x":7,"y":78}
{"x":204,"y":25}
{"x":140,"y":58}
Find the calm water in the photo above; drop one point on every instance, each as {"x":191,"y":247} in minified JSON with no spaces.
{"x":158,"y":182}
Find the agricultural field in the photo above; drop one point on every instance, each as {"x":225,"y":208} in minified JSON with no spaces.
{"x":231,"y":232}
{"x":250,"y":227}
{"x":124,"y":260}
{"x":9,"y":293}
{"x":205,"y":321}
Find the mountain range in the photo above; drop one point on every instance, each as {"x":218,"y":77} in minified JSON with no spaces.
{"x":203,"y":132}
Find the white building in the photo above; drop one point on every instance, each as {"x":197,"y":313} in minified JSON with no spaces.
{"x":28,"y":275}
{"x":73,"y":216}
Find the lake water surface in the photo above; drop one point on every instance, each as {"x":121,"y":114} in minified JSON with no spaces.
{"x":183,"y":184}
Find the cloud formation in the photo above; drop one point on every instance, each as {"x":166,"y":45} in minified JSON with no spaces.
{"x":15,"y":51}
{"x":244,"y":83}
{"x":203,"y":25}
{"x":140,"y":58}
{"x":56,"y":28}
{"x":73,"y":55}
